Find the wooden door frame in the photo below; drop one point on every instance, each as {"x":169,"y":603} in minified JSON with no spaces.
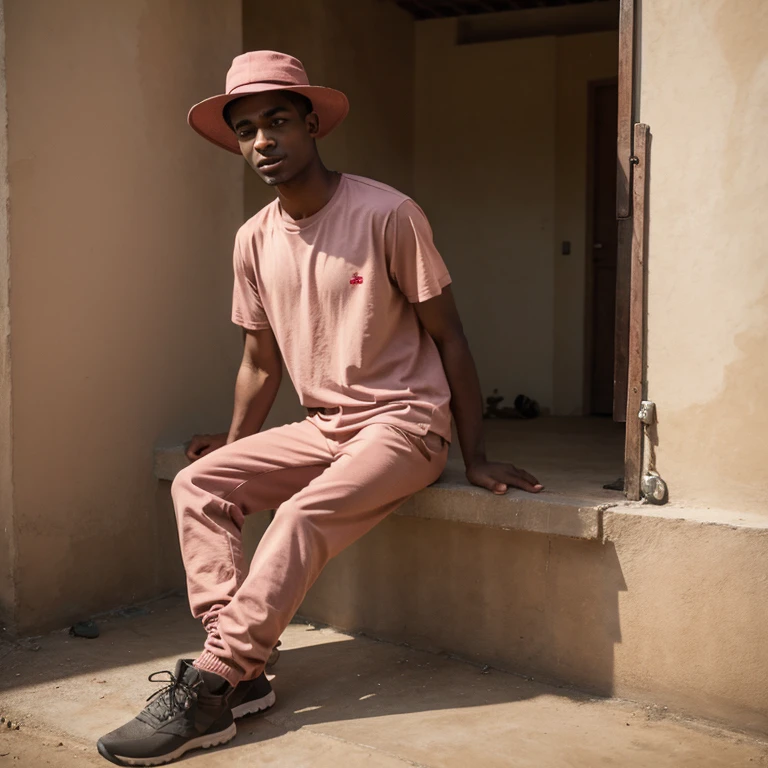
{"x":631,"y":256}
{"x":624,"y":139}
{"x":592,"y":86}
{"x":632,"y":185}
{"x":636,"y":335}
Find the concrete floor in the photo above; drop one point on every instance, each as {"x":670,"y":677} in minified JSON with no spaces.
{"x":342,"y":700}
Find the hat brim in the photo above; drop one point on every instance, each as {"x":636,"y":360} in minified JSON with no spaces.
{"x":207,"y":117}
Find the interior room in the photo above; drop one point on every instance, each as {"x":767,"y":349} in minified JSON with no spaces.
{"x":500,"y":119}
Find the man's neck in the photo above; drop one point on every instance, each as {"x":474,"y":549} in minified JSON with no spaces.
{"x":307,"y":193}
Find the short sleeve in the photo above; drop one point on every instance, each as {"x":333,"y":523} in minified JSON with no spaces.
{"x":415,"y":264}
{"x":247,"y":309}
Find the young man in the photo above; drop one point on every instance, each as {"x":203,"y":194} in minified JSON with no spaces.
{"x":340,"y":276}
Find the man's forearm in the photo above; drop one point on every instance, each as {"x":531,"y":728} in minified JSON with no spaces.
{"x":466,"y":398}
{"x":255,"y":391}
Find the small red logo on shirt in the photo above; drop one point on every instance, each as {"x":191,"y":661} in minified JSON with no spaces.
{"x":356,"y":279}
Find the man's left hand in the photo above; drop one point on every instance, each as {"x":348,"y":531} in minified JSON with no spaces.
{"x":498,"y":477}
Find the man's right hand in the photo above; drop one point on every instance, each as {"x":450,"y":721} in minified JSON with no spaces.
{"x":202,"y":445}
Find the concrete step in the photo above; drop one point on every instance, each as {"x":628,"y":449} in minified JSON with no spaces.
{"x":342,"y":700}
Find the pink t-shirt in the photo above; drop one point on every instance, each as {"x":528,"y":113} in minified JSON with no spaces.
{"x":337,"y":289}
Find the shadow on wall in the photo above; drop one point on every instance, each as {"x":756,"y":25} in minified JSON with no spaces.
{"x":522,"y":602}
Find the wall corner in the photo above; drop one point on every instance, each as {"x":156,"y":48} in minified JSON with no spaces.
{"x":7,"y":526}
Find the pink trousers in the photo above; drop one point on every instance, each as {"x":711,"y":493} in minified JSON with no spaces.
{"x":328,"y":491}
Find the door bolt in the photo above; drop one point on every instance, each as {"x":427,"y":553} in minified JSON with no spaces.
{"x":647,"y":412}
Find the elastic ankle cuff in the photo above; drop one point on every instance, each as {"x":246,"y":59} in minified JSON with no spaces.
{"x":208,"y":662}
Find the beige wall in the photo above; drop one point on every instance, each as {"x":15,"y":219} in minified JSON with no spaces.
{"x":364,"y":48}
{"x":501,"y":137}
{"x":485,"y":175}
{"x":704,"y":93}
{"x":580,"y":60}
{"x":7,"y":534}
{"x":122,"y":222}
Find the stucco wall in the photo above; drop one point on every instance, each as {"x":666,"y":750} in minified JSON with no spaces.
{"x":485,"y":175}
{"x":580,"y":60}
{"x":704,"y":93}
{"x":7,"y":535}
{"x":122,"y":222}
{"x":365,"y":49}
{"x":501,"y":158}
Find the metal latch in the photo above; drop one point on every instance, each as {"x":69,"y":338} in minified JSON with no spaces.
{"x":653,"y":488}
{"x":647,"y":412}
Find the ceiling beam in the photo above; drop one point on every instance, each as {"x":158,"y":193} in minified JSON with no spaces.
{"x":434,"y":9}
{"x":426,"y":9}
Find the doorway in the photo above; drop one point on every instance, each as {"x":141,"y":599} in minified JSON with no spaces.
{"x":602,"y":247}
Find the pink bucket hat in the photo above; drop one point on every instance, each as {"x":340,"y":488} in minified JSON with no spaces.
{"x":257,"y":72}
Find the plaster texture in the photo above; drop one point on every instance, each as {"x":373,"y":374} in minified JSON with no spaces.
{"x":7,"y":539}
{"x":692,"y":615}
{"x":704,"y":94}
{"x":121,"y":231}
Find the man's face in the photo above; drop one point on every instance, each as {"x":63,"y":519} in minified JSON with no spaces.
{"x":274,"y":138}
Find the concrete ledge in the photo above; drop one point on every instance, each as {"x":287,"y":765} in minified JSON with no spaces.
{"x":453,"y":499}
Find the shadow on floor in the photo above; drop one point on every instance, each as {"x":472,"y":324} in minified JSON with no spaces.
{"x":341,"y":700}
{"x":322,"y":675}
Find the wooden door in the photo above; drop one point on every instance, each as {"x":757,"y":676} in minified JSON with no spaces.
{"x":602,"y":250}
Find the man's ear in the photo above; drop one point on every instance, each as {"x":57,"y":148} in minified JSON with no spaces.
{"x":312,"y":122}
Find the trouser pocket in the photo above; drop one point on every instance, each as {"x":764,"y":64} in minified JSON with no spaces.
{"x":427,"y":446}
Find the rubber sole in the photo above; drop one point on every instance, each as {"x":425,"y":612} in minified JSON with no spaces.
{"x":254,"y":706}
{"x":202,"y":742}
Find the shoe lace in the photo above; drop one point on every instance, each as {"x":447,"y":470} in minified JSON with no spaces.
{"x":173,"y":698}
